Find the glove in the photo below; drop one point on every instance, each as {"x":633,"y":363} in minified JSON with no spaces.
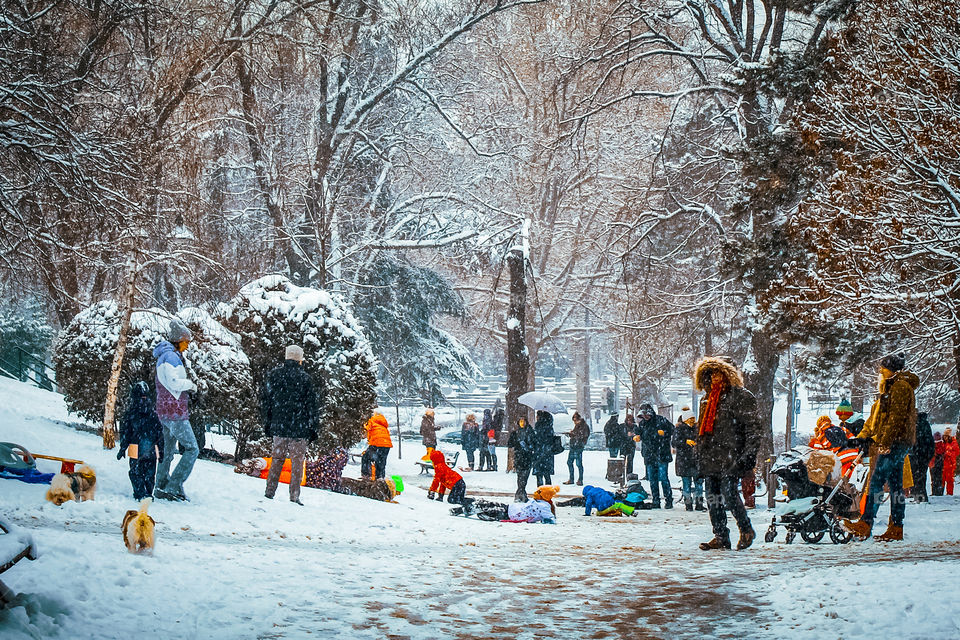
{"x":637,"y":438}
{"x":659,"y":432}
{"x":430,"y":495}
{"x":692,"y":443}
{"x":121,"y":453}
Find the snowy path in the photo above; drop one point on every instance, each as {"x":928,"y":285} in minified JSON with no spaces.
{"x":231,"y":564}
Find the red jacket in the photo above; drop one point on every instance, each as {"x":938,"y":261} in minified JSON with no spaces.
{"x":950,"y":452}
{"x":443,"y":476}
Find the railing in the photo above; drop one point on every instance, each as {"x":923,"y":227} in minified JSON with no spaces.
{"x":26,"y":367}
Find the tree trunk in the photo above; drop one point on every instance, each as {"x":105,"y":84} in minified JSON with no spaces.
{"x":858,"y":389}
{"x":518,"y":359}
{"x":110,"y":404}
{"x":583,"y":372}
{"x":760,"y":381}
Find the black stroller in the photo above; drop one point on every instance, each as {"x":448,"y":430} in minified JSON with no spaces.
{"x":812,"y":510}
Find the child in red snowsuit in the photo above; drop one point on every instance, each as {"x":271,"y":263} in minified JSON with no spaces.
{"x":445,"y":478}
{"x":950,"y":452}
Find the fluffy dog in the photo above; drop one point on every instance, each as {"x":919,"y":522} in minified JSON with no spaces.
{"x":138,"y":529}
{"x":78,"y":486}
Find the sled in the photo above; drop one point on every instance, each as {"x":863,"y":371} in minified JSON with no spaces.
{"x":15,"y":545}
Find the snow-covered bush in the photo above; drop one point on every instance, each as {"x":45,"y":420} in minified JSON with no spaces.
{"x":271,"y":313}
{"x":214,"y":361}
{"x":23,"y":326}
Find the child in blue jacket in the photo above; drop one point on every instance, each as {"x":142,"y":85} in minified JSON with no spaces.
{"x":604,"y":502}
{"x":141,"y":426}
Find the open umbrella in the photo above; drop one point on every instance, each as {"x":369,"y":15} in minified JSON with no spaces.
{"x":542,"y":401}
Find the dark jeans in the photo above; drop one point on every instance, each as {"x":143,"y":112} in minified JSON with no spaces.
{"x":469,"y":453}
{"x":457,"y":493}
{"x":575,"y":456}
{"x":657,"y":476}
{"x":889,"y":471}
{"x":376,"y":456}
{"x":919,"y":469}
{"x":725,"y":490}
{"x":614,"y":452}
{"x":543,"y":479}
{"x":692,"y":487}
{"x":143,"y":475}
{"x":936,"y":476}
{"x":629,"y":456}
{"x":522,"y":476}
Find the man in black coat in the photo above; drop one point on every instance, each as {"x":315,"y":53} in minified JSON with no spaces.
{"x":612,"y":434}
{"x":522,"y":443}
{"x":728,"y":438}
{"x":684,"y":442}
{"x":290,"y":413}
{"x":543,"y":448}
{"x":920,"y":456}
{"x":655,"y":432}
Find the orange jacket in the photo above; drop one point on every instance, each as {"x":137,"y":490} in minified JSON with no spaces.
{"x":443,"y":476}
{"x":378,"y":433}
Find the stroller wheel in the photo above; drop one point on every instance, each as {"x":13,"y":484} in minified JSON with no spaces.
{"x":839,"y":535}
{"x":770,"y":535}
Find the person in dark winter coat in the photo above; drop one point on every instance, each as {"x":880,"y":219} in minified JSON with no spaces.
{"x":936,"y":465}
{"x":892,"y":428}
{"x":428,"y":433}
{"x":920,"y":457}
{"x":655,"y":433}
{"x":498,"y":422}
{"x":612,"y":434}
{"x":290,"y":412}
{"x":141,"y":426}
{"x":684,"y":442}
{"x":470,"y":437}
{"x":578,"y":442}
{"x":543,"y":448}
{"x":522,"y":443}
{"x":486,"y":425}
{"x":628,"y":447}
{"x":728,"y":438}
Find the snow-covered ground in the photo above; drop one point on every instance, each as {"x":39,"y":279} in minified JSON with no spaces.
{"x":231,"y":564}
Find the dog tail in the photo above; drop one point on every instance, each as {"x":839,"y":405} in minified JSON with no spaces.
{"x":144,"y":505}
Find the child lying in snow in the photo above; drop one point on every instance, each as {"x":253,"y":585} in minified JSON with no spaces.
{"x":604,"y":503}
{"x":532,"y":511}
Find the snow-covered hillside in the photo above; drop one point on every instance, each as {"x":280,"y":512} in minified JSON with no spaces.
{"x":230,"y":564}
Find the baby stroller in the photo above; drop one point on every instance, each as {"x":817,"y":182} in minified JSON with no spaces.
{"x":819,"y":494}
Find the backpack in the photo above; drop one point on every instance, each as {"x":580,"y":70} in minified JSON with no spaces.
{"x":557,"y":445}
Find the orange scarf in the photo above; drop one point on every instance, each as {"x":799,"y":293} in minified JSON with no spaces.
{"x":718,"y":384}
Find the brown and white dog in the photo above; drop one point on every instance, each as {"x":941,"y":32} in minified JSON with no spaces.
{"x":78,"y":486}
{"x":138,"y":529}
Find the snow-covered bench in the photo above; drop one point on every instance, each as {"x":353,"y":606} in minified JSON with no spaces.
{"x":15,"y":545}
{"x":426,"y":466}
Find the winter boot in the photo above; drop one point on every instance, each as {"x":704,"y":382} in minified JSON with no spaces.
{"x":570,"y":481}
{"x":716,"y":543}
{"x":893,"y":533}
{"x":746,"y":539}
{"x":700,"y":506}
{"x":668,"y":504}
{"x":688,"y":504}
{"x":655,"y":505}
{"x":580,"y":482}
{"x":860,"y":528}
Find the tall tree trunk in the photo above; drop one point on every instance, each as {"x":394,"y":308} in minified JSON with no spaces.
{"x":518,"y":359}
{"x":759,"y":379}
{"x":110,"y":404}
{"x":583,"y":372}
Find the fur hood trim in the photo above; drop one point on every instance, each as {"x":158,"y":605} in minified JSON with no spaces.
{"x":705,"y":368}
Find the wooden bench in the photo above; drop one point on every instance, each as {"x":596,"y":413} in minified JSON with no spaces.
{"x":426,"y":466}
{"x":22,"y":548}
{"x":67,"y":465}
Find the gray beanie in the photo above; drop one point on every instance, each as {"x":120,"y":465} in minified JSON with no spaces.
{"x":178,"y":332}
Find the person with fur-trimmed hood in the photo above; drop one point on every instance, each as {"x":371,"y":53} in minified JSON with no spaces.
{"x":728,"y":438}
{"x":891,"y":428}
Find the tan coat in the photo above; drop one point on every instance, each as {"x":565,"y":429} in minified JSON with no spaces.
{"x":893,"y":417}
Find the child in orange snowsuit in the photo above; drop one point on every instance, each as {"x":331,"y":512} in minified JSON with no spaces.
{"x":445,"y":478}
{"x":950,"y":452}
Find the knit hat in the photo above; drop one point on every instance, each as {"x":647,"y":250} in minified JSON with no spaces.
{"x":546,"y":492}
{"x":823,"y":422}
{"x":293,"y":352}
{"x":178,"y":332}
{"x":685,"y":415}
{"x":428,"y":412}
{"x":632,"y":477}
{"x":844,"y":409}
{"x":894,"y":362}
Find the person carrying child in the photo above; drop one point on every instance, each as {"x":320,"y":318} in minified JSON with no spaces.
{"x":445,"y":478}
{"x":141,"y":428}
